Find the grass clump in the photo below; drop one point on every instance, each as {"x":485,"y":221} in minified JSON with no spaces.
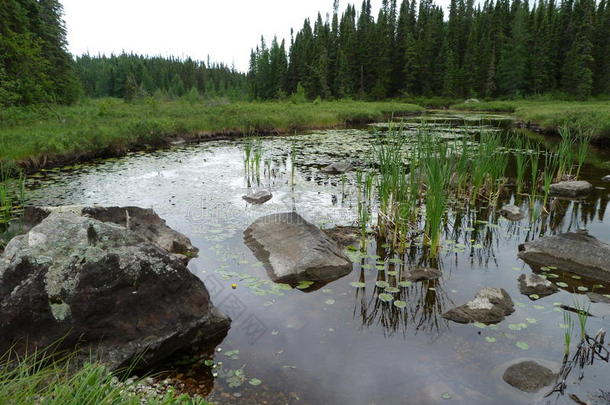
{"x":41,"y":380}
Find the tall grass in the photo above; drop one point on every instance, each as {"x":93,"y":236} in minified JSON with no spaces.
{"x":37,"y":379}
{"x":98,"y":127}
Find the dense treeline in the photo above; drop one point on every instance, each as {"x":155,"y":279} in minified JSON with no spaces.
{"x":501,"y":48}
{"x":34,"y":63}
{"x":128,"y":76}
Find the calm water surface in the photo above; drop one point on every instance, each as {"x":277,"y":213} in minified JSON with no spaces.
{"x":338,"y":344}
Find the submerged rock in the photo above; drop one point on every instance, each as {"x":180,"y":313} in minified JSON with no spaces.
{"x":423,"y":274}
{"x":490,"y":305}
{"x":259,"y":197}
{"x":534,"y":284}
{"x":598,"y":298}
{"x":529,"y":376}
{"x":110,"y":290}
{"x":294,"y":250}
{"x":571,"y":189}
{"x":511,"y":212}
{"x":576,"y":252}
{"x":337,"y":168}
{"x":344,"y":235}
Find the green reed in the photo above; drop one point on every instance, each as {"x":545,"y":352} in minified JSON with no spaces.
{"x":568,"y":324}
{"x":564,"y":153}
{"x":584,"y":141}
{"x":437,"y":168}
{"x":521,"y":161}
{"x":550,"y":168}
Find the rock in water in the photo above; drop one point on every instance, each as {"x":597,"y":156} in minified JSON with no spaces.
{"x":571,"y":189}
{"x":423,"y":274}
{"x":490,"y":305}
{"x":599,"y":298}
{"x":534,"y":284}
{"x":606,"y":178}
{"x":103,"y":287}
{"x":576,"y":252}
{"x":259,"y":197}
{"x":337,"y":168}
{"x":294,"y":250}
{"x":528,"y":376}
{"x":511,"y":212}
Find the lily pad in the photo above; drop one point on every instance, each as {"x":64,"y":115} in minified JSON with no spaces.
{"x":255,"y":381}
{"x":386,"y":297}
{"x":405,"y":283}
{"x":400,"y":304}
{"x":382,"y":284}
{"x":358,"y":284}
{"x":522,"y":345}
{"x":490,"y":339}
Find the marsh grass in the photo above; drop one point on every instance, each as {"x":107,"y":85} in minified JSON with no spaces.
{"x":38,"y":138}
{"x":55,"y":380}
{"x":593,"y":117}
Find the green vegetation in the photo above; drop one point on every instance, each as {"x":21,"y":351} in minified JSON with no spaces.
{"x":37,"y":380}
{"x":42,"y":136}
{"x":35,"y":66}
{"x":493,"y":49}
{"x":591,"y":117}
{"x":131,"y":76}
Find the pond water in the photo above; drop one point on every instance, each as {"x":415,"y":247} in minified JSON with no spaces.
{"x":338,"y":344}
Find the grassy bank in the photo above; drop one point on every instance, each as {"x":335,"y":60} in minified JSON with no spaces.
{"x":44,"y":136}
{"x":590,"y":116}
{"x":36,"y":380}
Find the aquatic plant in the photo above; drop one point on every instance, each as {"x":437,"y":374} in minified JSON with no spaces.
{"x":521,"y":161}
{"x":584,"y":141}
{"x":568,"y":324}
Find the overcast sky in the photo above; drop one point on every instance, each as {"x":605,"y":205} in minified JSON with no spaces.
{"x":224,"y":29}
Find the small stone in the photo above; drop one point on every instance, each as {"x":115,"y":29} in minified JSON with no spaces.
{"x":533,"y":284}
{"x":337,"y":168}
{"x":423,"y":274}
{"x":606,"y":178}
{"x":571,"y":189}
{"x":598,"y":298}
{"x":259,"y":197}
{"x":490,"y":305}
{"x":511,"y":212}
{"x":528,"y":376}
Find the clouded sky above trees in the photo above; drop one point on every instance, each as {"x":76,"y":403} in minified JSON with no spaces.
{"x":225,"y":29}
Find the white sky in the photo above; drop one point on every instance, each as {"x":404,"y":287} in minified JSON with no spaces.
{"x":226,"y":30}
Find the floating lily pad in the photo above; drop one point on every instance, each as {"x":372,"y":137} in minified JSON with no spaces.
{"x":582,"y":288}
{"x":329,"y":301}
{"x":358,"y":284}
{"x":522,"y":345}
{"x":561,"y":284}
{"x":392,"y":290}
{"x":480,"y":325}
{"x":382,"y":284}
{"x":446,"y":395}
{"x":534,"y":296}
{"x":304,"y":285}
{"x":405,"y":283}
{"x":400,"y":304}
{"x":255,"y":381}
{"x":490,"y":339}
{"x":386,"y":297}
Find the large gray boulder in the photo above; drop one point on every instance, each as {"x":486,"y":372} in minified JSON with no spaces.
{"x":102,"y":287}
{"x":533,"y":284}
{"x":490,"y":305}
{"x":576,"y":252}
{"x":144,"y":222}
{"x":529,"y":376}
{"x":294,"y":250}
{"x":571,"y":189}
